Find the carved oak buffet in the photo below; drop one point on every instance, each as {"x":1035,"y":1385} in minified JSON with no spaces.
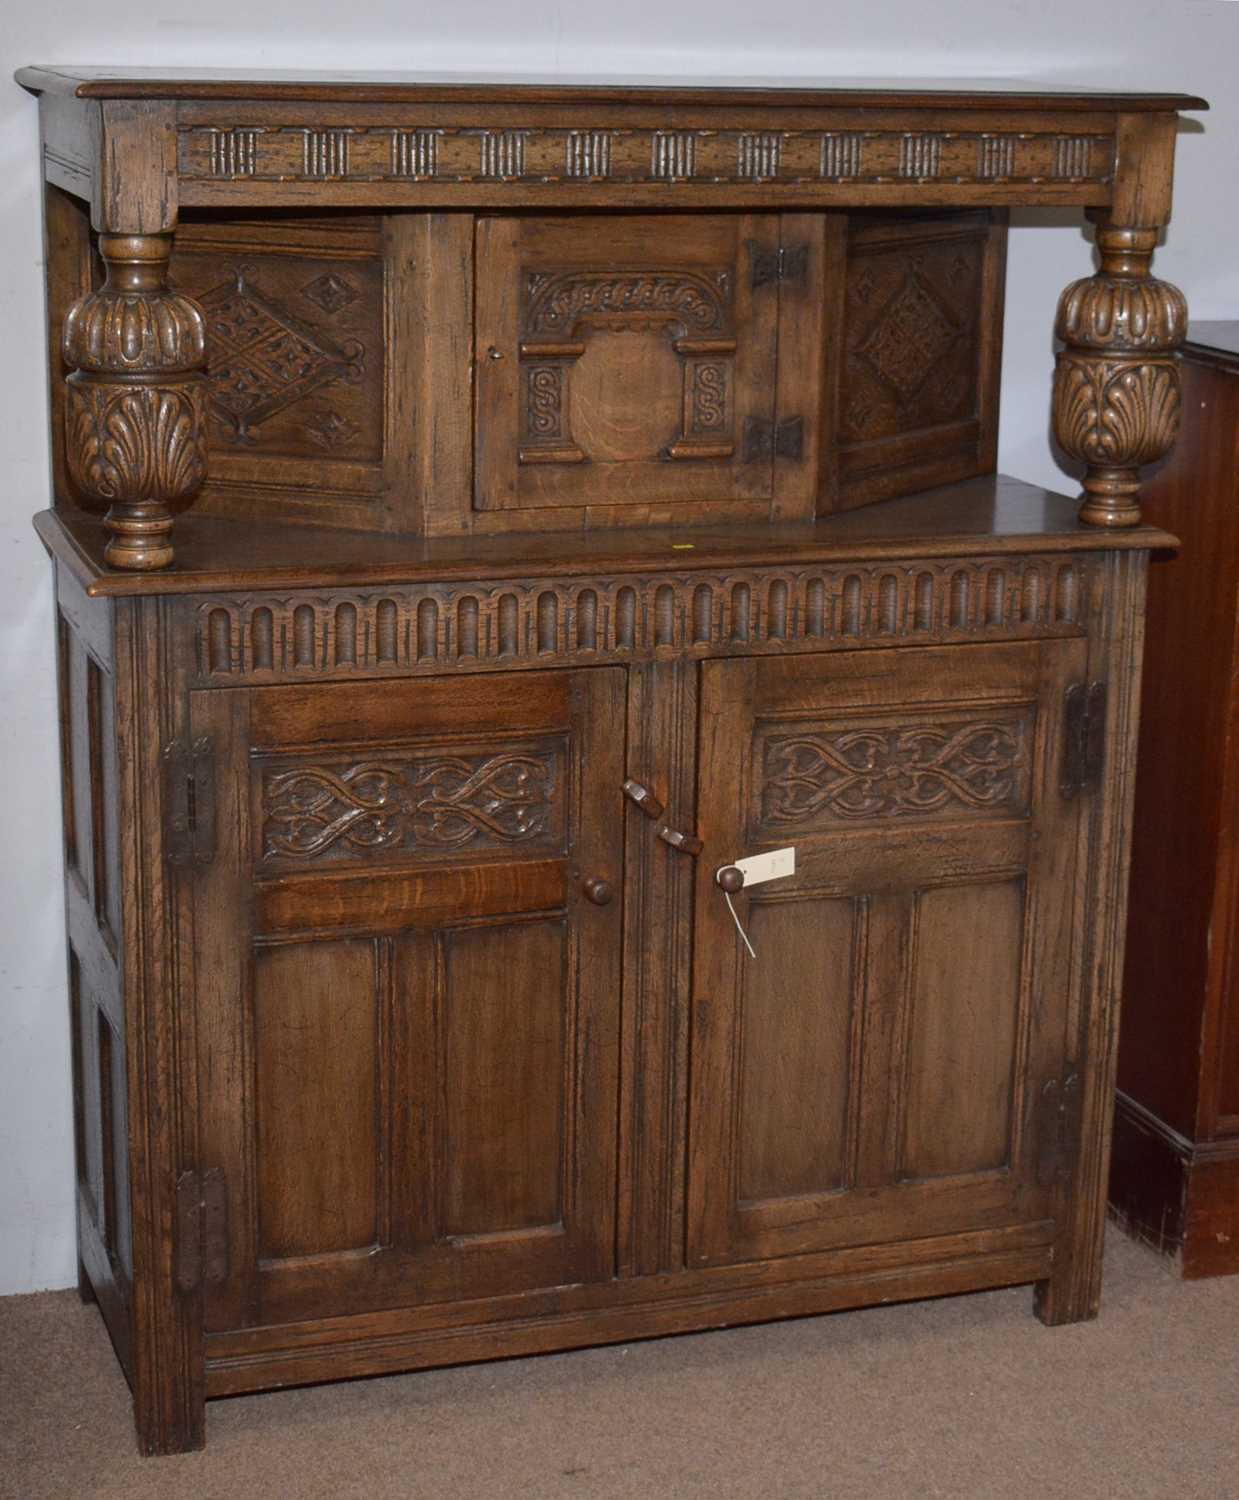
{"x":591,"y":486}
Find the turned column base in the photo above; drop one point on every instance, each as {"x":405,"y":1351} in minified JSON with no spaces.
{"x":141,"y":537}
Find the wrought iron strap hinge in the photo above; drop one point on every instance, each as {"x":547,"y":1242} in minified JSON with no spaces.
{"x":1084,"y":745}
{"x":764,"y":439}
{"x":189,"y":802}
{"x":201,"y":1229}
{"x":788,"y":263}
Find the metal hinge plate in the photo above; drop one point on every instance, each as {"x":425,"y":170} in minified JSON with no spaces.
{"x":189,"y":802}
{"x":1057,"y":1129}
{"x":789,"y":263}
{"x":1084,"y":738}
{"x":765,"y":439}
{"x":201,"y":1229}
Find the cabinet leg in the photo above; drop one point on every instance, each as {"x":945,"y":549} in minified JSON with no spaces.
{"x":160,"y":1439}
{"x":1060,"y":1299}
{"x":84,"y":1289}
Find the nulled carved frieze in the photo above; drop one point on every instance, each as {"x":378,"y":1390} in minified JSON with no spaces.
{"x":436,"y":628}
{"x":414,"y":804}
{"x":856,"y":773}
{"x":533,"y":153}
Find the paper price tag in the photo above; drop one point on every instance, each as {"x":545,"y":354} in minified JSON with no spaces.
{"x":759,"y":868}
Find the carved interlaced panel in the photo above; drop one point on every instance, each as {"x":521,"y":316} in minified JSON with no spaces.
{"x":422,"y":803}
{"x":940,"y":765}
{"x":512,"y":623}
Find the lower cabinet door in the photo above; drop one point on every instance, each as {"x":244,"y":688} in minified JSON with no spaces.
{"x":408,"y":981}
{"x":875,"y":1072}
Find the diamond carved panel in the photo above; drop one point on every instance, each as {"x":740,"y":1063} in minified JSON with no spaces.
{"x":912,"y":336}
{"x":262,"y":360}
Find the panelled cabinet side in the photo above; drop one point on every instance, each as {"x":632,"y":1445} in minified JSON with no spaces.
{"x":1086,"y":1091}
{"x":160,"y":1042}
{"x":86,"y":665}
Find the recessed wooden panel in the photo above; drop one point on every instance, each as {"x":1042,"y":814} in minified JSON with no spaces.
{"x":504,"y":1010}
{"x":80,"y":789}
{"x":306,"y":361}
{"x":797,"y":1024}
{"x":961,"y":1048}
{"x":316,"y":1051}
{"x":108,"y":901}
{"x":922,"y":339}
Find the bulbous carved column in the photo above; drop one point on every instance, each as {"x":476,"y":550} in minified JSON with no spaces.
{"x":1116,"y":384}
{"x":136,"y":408}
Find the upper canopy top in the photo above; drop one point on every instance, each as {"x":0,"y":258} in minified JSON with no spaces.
{"x":431,"y":88}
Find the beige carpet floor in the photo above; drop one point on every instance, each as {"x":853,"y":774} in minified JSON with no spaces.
{"x":966,"y":1396}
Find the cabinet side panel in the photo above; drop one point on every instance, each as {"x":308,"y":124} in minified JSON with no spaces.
{"x":92,"y":900}
{"x":920,"y":362}
{"x":67,"y":247}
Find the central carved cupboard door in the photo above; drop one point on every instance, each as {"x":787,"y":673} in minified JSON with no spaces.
{"x":626,"y":365}
{"x":408,"y":988}
{"x":882,"y":1069}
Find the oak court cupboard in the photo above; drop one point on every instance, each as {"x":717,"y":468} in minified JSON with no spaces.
{"x":508,"y":538}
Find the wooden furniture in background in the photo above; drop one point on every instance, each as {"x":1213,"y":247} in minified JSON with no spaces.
{"x":1175,"y":1179}
{"x":534,"y":574}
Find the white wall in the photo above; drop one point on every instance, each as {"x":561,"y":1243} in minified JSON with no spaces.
{"x":1187,"y":45}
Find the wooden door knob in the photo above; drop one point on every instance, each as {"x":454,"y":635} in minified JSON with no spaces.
{"x":731,"y":879}
{"x":600,"y":892}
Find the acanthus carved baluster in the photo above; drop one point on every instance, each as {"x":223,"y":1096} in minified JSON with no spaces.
{"x":1116,"y":385}
{"x":136,"y":408}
